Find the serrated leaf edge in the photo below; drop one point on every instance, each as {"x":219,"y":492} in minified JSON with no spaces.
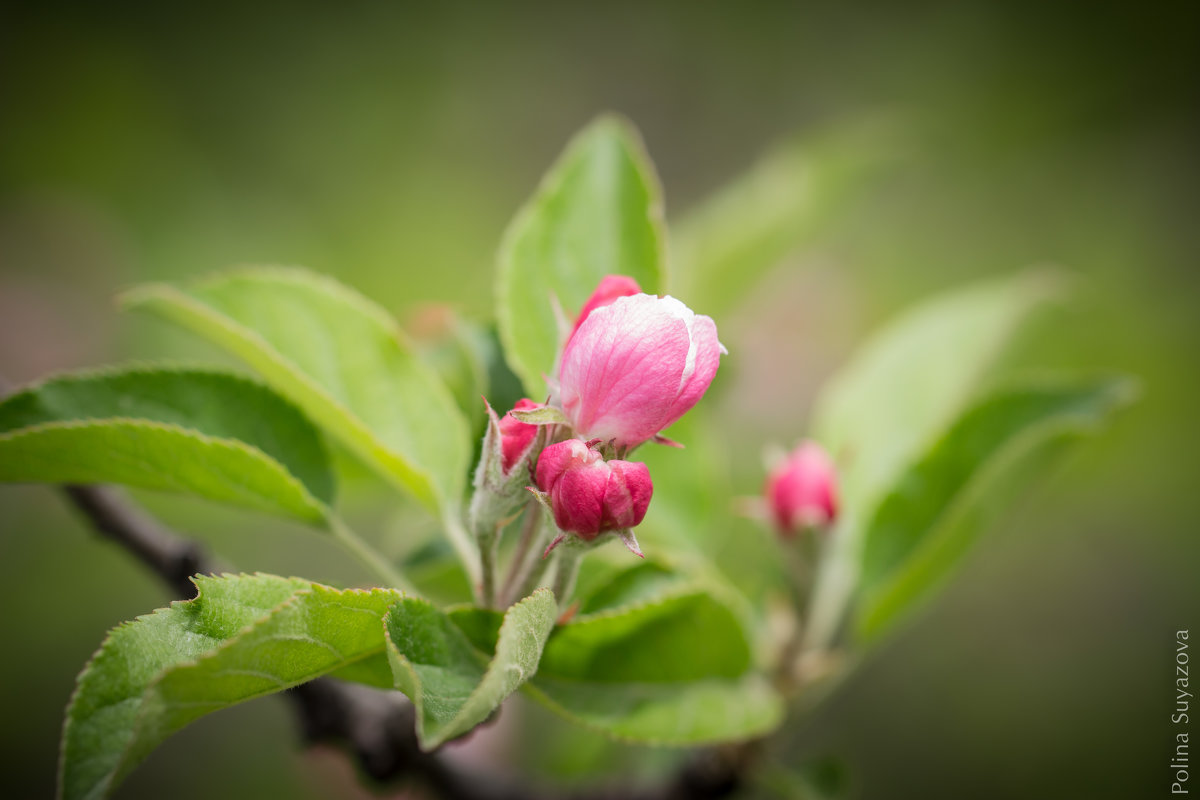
{"x":683,"y":590}
{"x":302,"y":277}
{"x":303,"y":588}
{"x":429,"y":743}
{"x":422,"y":485}
{"x":673,"y":594}
{"x":215,"y":442}
{"x":171,"y":367}
{"x":138,"y":367}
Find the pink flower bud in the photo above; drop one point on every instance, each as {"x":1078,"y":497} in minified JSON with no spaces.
{"x":516,"y":437}
{"x":802,"y":490}
{"x":589,"y":495}
{"x":635,"y":366}
{"x":611,"y":287}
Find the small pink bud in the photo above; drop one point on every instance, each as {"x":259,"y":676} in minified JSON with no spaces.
{"x":611,"y":287}
{"x":516,"y":437}
{"x":635,"y":366}
{"x":589,"y":495}
{"x":802,"y":490}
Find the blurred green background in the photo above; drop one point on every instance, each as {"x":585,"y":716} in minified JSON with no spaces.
{"x":388,"y":144}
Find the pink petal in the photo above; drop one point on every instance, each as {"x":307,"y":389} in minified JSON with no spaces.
{"x":802,"y":491}
{"x":706,"y":357}
{"x":622,"y":370}
{"x":578,"y":499}
{"x":610,"y":288}
{"x":556,"y":459}
{"x":516,"y":437}
{"x":627,"y":495}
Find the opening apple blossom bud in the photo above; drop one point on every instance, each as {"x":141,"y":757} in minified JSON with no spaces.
{"x":588,"y":495}
{"x":503,"y":471}
{"x":801,"y":490}
{"x":516,"y":437}
{"x":635,"y":366}
{"x":610,"y":288}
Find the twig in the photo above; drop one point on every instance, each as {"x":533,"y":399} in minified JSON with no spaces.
{"x":169,"y":556}
{"x":376,"y":726}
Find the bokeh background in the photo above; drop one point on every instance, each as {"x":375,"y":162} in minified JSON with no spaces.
{"x":389,"y":144}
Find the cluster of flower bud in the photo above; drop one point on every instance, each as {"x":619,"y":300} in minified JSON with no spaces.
{"x":632,"y":365}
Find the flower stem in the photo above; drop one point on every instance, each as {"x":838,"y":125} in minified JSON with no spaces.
{"x":522,"y":564}
{"x":801,"y":556}
{"x":369,"y":556}
{"x":535,"y":577}
{"x":570,"y":555}
{"x":489,"y":540}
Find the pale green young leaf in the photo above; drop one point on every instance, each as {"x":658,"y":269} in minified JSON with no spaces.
{"x":243,"y":636}
{"x":941,"y":503}
{"x":896,"y":397}
{"x":654,"y":641}
{"x":211,"y":434}
{"x":721,"y":247}
{"x":598,"y":211}
{"x":548,"y":415}
{"x":339,"y":357}
{"x":911,"y":379}
{"x":672,"y":670}
{"x":675,"y":669}
{"x":625,"y":584}
{"x":452,"y":684}
{"x":684,"y":714}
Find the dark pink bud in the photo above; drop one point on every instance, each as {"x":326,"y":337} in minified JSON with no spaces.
{"x":802,"y":490}
{"x":516,"y":437}
{"x":589,"y":495}
{"x":610,"y":288}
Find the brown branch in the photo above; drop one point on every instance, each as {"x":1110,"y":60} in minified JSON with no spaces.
{"x":375,"y":726}
{"x":169,"y":556}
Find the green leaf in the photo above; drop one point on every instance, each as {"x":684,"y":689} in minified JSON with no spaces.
{"x":548,"y":415}
{"x":243,"y":636}
{"x":458,"y":351}
{"x":896,"y":397}
{"x":905,"y":385}
{"x":925,"y":524}
{"x":654,"y":642}
{"x":723,"y":245}
{"x":673,"y":670}
{"x":685,"y":714}
{"x":626,"y":585}
{"x":597,"y":212}
{"x":452,"y":685}
{"x":206,"y":433}
{"x":339,"y":357}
